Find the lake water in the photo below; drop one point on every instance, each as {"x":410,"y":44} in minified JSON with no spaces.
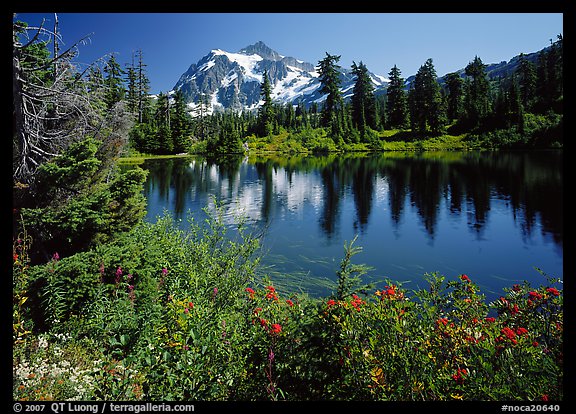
{"x":495,"y":216}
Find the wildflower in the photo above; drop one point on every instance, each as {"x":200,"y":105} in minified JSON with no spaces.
{"x":118,"y":274}
{"x":458,"y":377}
{"x":257,"y":310}
{"x":271,"y":355}
{"x":164,"y":271}
{"x":251,"y":292}
{"x":214,"y":292}
{"x":263,"y":322}
{"x":186,"y":310}
{"x":271,"y":293}
{"x":190,"y":305}
{"x":442,"y":321}
{"x":56,"y":257}
{"x":490,"y":319}
{"x":465,"y":278}
{"x":516,"y":287}
{"x":535,"y":344}
{"x":521,"y":331}
{"x":544,"y":397}
{"x":508,"y":332}
{"x":356,"y":302}
{"x":289,"y":302}
{"x":515,"y":309}
{"x":552,"y":290}
{"x":275,"y":329}
{"x":331,"y":303}
{"x":534,"y":295}
{"x":129,"y":277}
{"x":15,"y":257}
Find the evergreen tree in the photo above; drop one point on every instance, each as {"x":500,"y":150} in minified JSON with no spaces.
{"x":477,"y":102}
{"x":397,"y":104}
{"x":163,"y":122}
{"x":363,"y":101}
{"x":113,"y":81}
{"x":131,"y":91}
{"x":427,"y":107}
{"x":142,"y":89}
{"x":266,"y":112}
{"x":180,"y":123}
{"x":526,"y":74}
{"x":328,"y":70}
{"x":455,"y":97}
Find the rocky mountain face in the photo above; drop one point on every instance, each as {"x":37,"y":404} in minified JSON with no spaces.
{"x":229,"y":80}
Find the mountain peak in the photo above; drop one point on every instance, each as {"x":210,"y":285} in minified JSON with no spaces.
{"x":260,"y":48}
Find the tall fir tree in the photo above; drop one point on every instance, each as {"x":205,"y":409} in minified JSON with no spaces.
{"x":427,"y":109}
{"x":114,"y":84}
{"x":363,"y":101}
{"x":477,"y":102}
{"x":397,"y":103}
{"x":328,"y":70}
{"x":455,"y":96}
{"x":142,"y":89}
{"x":266,"y":111}
{"x":180,"y":123}
{"x":526,"y":73}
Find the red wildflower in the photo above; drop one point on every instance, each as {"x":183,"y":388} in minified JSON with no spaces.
{"x":516,"y":287}
{"x":465,"y":278}
{"x":534,"y":295}
{"x":289,"y":302}
{"x":356,"y":302}
{"x":331,"y":303}
{"x":251,"y":292}
{"x":521,"y":331}
{"x":490,"y":319}
{"x":510,"y":334}
{"x":442,"y":321}
{"x":263,"y":322}
{"x":552,"y":290}
{"x":458,"y":377}
{"x":271,"y":293}
{"x":544,"y":397}
{"x":275,"y":329}
{"x":15,"y":257}
{"x":514,"y":309}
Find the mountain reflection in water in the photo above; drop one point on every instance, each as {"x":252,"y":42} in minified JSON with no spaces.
{"x":495,"y":216}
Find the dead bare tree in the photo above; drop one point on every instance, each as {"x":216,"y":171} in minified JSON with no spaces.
{"x":51,"y":107}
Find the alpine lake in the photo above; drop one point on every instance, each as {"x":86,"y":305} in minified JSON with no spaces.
{"x":494,"y":216}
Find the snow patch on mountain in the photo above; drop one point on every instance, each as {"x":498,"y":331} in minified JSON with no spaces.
{"x":231,"y":80}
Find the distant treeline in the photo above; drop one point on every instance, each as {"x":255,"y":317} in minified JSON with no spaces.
{"x":523,"y":107}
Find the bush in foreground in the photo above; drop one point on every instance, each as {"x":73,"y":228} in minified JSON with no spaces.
{"x":167,"y":314}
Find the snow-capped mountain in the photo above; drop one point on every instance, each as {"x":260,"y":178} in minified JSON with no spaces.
{"x":231,"y":80}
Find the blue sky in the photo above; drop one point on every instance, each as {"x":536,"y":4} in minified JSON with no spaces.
{"x":172,"y":41}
